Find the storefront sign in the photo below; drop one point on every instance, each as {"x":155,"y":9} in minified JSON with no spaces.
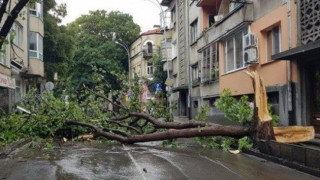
{"x":6,"y":81}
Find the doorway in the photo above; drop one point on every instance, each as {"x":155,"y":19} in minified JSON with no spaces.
{"x":183,"y":103}
{"x":315,"y":96}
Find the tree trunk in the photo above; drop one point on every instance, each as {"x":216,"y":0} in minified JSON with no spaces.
{"x":215,"y":130}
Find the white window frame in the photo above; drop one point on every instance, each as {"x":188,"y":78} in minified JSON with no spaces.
{"x":37,"y":11}
{"x":149,"y":69}
{"x":195,"y":73}
{"x":194,"y":31}
{"x":39,"y":50}
{"x":17,"y":39}
{"x":210,"y":63}
{"x":226,"y":70}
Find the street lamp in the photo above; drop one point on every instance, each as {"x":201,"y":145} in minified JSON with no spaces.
{"x":157,"y":3}
{"x":128,"y":52}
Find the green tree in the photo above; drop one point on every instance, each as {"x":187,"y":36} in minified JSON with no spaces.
{"x":94,"y":47}
{"x":159,"y":76}
{"x":58,"y":44}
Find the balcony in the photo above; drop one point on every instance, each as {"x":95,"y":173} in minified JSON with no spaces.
{"x":167,"y":66}
{"x":241,"y":15}
{"x":36,"y":68}
{"x":147,"y":54}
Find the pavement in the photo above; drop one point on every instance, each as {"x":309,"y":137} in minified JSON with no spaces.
{"x":141,"y":161}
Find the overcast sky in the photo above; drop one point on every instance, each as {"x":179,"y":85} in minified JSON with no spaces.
{"x":144,"y":12}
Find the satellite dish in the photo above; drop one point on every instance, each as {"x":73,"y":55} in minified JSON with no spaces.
{"x":49,"y":86}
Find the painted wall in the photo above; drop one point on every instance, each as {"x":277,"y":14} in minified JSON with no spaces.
{"x":137,"y":59}
{"x":273,"y":72}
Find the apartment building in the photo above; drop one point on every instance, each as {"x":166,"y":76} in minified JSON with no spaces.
{"x":146,"y":46}
{"x":303,"y":59}
{"x":219,"y":40}
{"x":21,"y":64}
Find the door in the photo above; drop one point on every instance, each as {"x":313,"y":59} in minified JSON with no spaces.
{"x":315,"y":90}
{"x":183,"y":103}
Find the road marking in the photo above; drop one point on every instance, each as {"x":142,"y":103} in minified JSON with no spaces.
{"x":139,"y":168}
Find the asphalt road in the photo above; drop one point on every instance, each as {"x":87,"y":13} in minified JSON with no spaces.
{"x":144,"y":161}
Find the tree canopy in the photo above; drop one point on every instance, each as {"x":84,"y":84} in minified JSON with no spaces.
{"x":95,"y":49}
{"x":58,"y":44}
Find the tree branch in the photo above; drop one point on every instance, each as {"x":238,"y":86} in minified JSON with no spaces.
{"x":126,"y":126}
{"x":10,"y":19}
{"x":102,"y":96}
{"x":170,"y":125}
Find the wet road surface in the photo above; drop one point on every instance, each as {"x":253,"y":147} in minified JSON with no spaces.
{"x":144,"y":161}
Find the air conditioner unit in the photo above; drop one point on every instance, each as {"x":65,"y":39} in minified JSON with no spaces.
{"x":218,"y":17}
{"x":250,"y":55}
{"x":249,"y":41}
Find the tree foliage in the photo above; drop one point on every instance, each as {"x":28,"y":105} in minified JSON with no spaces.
{"x":93,"y":35}
{"x":58,"y":43}
{"x":234,"y":110}
{"x":159,"y":76}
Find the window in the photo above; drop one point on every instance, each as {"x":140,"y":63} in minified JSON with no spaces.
{"x":195,"y":73}
{"x":18,"y":91}
{"x":3,"y":55}
{"x":149,"y":69}
{"x":273,"y":42}
{"x":35,"y":45}
{"x":17,"y":38}
{"x":149,"y":44}
{"x":210,"y":64}
{"x":194,"y":31}
{"x":211,"y":20}
{"x":36,"y":9}
{"x":173,"y":14}
{"x":174,"y":49}
{"x":206,"y":65}
{"x":233,"y":55}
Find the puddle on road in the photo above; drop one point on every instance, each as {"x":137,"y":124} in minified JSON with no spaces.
{"x":102,"y":161}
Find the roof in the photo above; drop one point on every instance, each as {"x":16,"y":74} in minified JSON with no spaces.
{"x":154,"y":31}
{"x":149,"y":32}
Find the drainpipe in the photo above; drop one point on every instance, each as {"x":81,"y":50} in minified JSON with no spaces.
{"x":289,"y":67}
{"x":28,"y":41}
{"x":188,"y":62}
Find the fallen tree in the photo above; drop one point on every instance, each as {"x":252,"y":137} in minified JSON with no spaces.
{"x":136,"y":126}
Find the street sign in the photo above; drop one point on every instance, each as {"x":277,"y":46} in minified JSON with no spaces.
{"x":169,"y":82}
{"x":157,"y":87}
{"x":49,"y":86}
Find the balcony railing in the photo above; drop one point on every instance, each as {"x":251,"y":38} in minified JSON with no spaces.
{"x":147,"y":54}
{"x":240,"y":15}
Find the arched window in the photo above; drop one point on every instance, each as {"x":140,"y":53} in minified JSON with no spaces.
{"x":149,"y":44}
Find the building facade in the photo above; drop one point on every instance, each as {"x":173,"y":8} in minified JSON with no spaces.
{"x":217,"y":41}
{"x":21,"y":63}
{"x":304,"y":57}
{"x":142,"y":50}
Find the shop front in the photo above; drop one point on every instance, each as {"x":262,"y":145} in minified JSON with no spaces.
{"x":7,"y":92}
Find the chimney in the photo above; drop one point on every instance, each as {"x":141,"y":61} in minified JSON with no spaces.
{"x":156,"y":26}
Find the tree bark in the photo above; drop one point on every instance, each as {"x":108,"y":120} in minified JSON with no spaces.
{"x":213,"y":130}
